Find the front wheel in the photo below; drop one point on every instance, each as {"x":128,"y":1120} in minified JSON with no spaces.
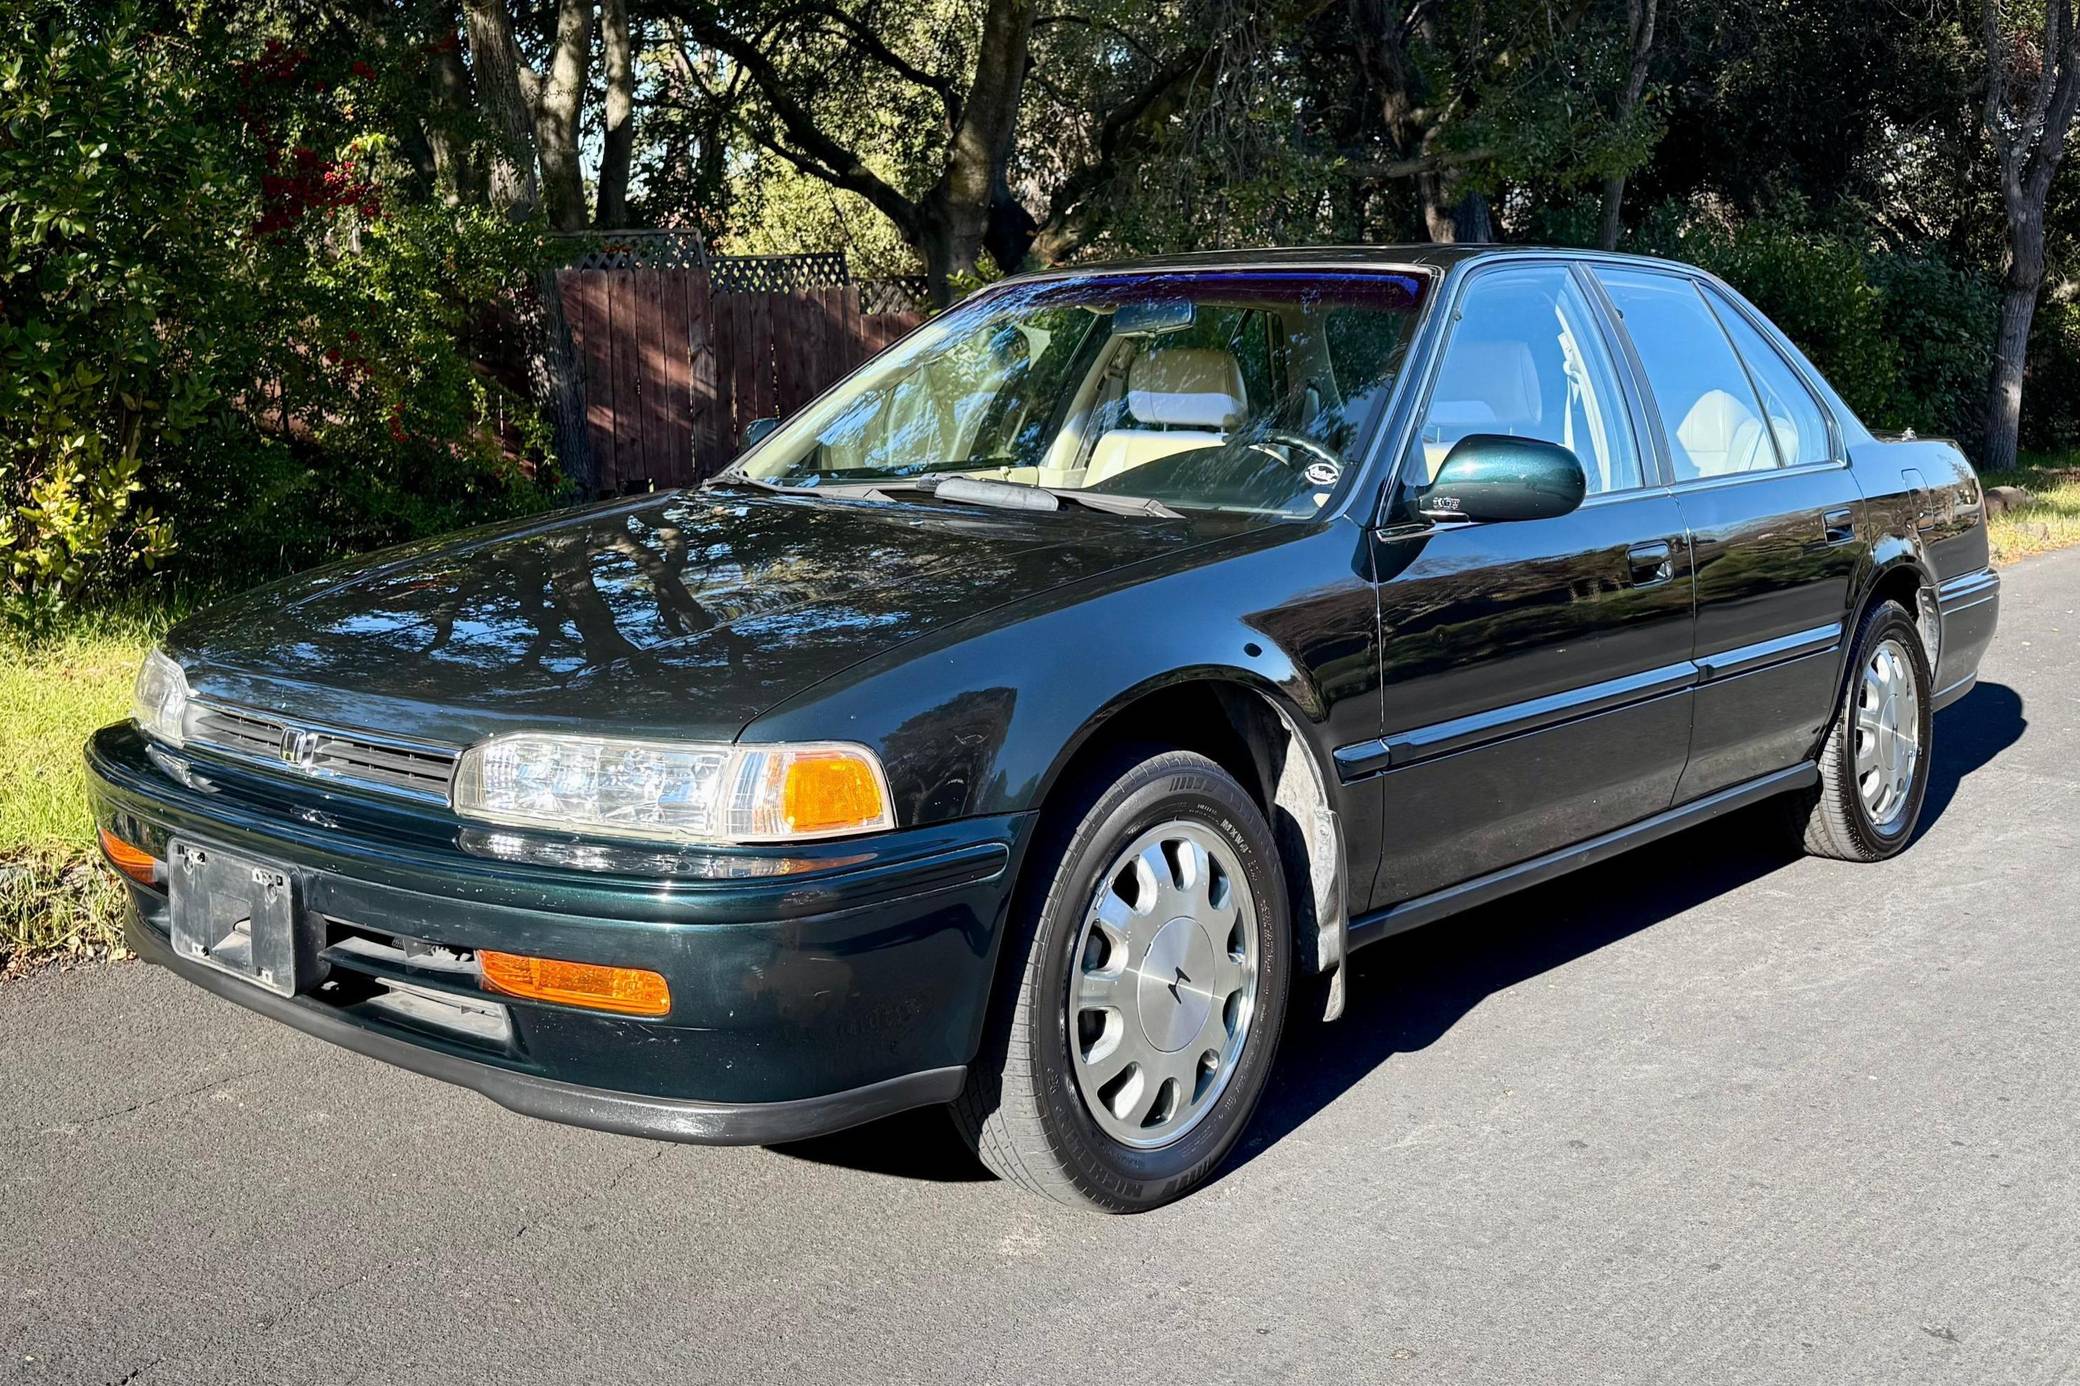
{"x":1874,"y":763}
{"x":1150,"y":990}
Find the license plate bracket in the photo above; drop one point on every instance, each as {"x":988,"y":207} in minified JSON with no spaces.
{"x":234,"y":913}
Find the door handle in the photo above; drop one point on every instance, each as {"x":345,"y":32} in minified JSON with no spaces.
{"x":1651,"y":564}
{"x":1840,"y":525}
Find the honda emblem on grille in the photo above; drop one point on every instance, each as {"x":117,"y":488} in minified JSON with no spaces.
{"x":300,"y":748}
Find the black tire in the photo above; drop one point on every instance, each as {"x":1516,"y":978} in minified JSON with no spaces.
{"x":1022,"y":1109}
{"x":1830,"y":819}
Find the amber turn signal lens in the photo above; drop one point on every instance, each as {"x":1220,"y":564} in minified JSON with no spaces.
{"x":829,"y":790}
{"x":134,"y":862}
{"x":625,"y":990}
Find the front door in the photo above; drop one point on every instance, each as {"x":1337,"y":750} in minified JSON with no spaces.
{"x":1773,"y":512}
{"x":1536,"y":673}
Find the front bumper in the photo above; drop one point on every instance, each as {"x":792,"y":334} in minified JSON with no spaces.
{"x":812,"y":988}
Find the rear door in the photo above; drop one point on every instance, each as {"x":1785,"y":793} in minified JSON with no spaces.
{"x":1774,"y":516}
{"x":1536,"y":673}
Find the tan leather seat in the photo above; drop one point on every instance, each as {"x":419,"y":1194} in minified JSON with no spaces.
{"x":1193,"y":396}
{"x":1721,"y":436}
{"x":1483,"y":387}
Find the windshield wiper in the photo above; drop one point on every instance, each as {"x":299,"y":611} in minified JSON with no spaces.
{"x":1020,"y":495}
{"x":1005,"y":495}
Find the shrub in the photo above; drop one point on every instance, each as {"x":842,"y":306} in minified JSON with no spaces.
{"x":1943,"y":320}
{"x":238,"y":333}
{"x":2051,"y":394}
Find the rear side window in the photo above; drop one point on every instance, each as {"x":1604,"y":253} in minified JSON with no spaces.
{"x":1714,"y":420}
{"x":1795,"y":418}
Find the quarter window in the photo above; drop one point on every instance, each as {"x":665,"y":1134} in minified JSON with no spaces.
{"x":1707,"y":402}
{"x":1526,"y":360}
{"x":1795,"y":417}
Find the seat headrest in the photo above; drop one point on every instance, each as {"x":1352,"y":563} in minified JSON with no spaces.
{"x":1712,"y":422}
{"x":1190,"y":387}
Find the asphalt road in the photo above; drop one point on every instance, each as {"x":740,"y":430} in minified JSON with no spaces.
{"x":1706,"y":1113}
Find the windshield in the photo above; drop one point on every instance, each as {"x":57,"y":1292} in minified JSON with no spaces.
{"x":1234,"y":390}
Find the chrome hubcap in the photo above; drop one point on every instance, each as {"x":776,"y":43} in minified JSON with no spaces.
{"x":1888,"y":732}
{"x":1163,"y":985}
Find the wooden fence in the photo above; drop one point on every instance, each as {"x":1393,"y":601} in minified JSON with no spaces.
{"x":673,"y":370}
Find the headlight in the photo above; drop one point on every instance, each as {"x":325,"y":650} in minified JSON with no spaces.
{"x":675,"y":790}
{"x":159,"y":702}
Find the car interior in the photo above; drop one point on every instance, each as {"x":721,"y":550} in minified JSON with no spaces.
{"x":1086,"y":399}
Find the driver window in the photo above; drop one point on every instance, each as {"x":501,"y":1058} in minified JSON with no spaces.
{"x":1526,"y":360}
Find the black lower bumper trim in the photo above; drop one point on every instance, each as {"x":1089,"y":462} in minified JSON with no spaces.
{"x":629,"y":1114}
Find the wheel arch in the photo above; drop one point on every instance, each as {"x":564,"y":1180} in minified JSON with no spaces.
{"x":1899,"y":571}
{"x":1252,"y":730}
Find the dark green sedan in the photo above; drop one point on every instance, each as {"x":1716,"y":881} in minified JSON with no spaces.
{"x":1020,"y":725}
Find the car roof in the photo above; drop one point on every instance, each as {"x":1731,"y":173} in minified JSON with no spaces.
{"x":1441,"y":257}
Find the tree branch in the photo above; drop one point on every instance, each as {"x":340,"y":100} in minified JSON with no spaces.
{"x":870,"y":43}
{"x":819,"y":154}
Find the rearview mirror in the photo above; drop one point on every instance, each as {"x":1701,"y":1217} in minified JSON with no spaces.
{"x":1491,"y":477}
{"x":1152,"y":319}
{"x":755,"y":430}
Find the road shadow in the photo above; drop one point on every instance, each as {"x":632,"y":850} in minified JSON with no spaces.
{"x":1969,"y":733}
{"x":1406,"y":992}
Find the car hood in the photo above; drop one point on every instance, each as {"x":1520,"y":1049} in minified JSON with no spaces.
{"x":684,"y":614}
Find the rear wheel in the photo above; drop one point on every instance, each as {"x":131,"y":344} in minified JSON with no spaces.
{"x":1874,"y":763}
{"x":1150,"y":988}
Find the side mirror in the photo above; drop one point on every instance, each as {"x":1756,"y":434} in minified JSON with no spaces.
{"x":755,"y":430}
{"x":1488,"y":476}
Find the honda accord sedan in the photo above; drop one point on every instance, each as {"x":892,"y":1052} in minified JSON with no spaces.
{"x":1024,"y":725}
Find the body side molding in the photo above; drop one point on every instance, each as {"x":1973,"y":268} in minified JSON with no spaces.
{"x":1481,"y":889}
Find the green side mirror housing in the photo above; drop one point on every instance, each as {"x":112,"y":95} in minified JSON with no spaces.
{"x":1493,"y":477}
{"x":755,"y":430}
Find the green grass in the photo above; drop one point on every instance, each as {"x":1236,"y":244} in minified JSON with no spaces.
{"x":2052,"y":521}
{"x":56,"y":900}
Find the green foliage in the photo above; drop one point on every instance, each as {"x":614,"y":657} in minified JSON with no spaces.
{"x":1813,"y":286}
{"x":236,"y":333}
{"x":1905,"y":338}
{"x":1942,"y":318}
{"x":112,"y":206}
{"x":2051,"y":398}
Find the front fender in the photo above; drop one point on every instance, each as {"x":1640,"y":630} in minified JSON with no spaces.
{"x":981,"y":718}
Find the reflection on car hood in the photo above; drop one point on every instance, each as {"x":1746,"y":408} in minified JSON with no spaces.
{"x":684,"y":614}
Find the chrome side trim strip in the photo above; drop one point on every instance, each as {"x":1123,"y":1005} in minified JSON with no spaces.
{"x":1464,"y":733}
{"x":1358,"y":761}
{"x":1365,"y":758}
{"x":1427,"y":909}
{"x":1745,"y":659}
{"x":1968,"y":590}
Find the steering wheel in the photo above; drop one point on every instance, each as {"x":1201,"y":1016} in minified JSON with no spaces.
{"x":1320,"y":451}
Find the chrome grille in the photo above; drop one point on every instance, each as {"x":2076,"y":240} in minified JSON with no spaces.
{"x":244,"y":733}
{"x":390,"y":764}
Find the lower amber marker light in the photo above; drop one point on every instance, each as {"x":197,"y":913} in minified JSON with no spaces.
{"x":623,"y":990}
{"x":134,"y":862}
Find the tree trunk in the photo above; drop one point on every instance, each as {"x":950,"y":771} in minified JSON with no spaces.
{"x":2019,"y":289}
{"x":448,"y":100}
{"x":1639,"y":27}
{"x":1612,"y":223}
{"x":617,"y":144}
{"x":2029,"y":142}
{"x":496,"y":60}
{"x":556,"y":116}
{"x":955,"y":215}
{"x":1447,"y":219}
